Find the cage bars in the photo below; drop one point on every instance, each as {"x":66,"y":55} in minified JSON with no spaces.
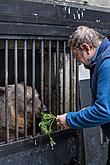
{"x":64,"y":76}
{"x":16,"y":85}
{"x":49,"y":78}
{"x":33,"y":85}
{"x":56,"y":47}
{"x":6,"y":90}
{"x":57,"y":79}
{"x":42,"y":75}
{"x":71,"y":80}
{"x":25,"y":88}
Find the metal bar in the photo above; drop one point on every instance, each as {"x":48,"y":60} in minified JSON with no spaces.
{"x":16,"y":87}
{"x":33,"y":37}
{"x":77,"y":86}
{"x":64,"y":77}
{"x":6,"y":90}
{"x":71,"y":81}
{"x":33,"y":85}
{"x":57,"y":80}
{"x":49,"y":78}
{"x":25,"y":88}
{"x":42,"y":74}
{"x":74,"y":82}
{"x":26,"y":145}
{"x":53,"y":38}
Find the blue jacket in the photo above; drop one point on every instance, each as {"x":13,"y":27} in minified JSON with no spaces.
{"x":99,"y":112}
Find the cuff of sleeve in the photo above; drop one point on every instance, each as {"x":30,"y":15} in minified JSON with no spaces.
{"x":70,"y":118}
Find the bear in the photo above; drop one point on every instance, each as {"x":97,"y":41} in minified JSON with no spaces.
{"x":11,"y":111}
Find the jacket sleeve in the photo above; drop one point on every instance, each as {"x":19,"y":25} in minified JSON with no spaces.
{"x":99,"y":113}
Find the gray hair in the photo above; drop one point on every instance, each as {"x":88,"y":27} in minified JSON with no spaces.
{"x":84,"y":34}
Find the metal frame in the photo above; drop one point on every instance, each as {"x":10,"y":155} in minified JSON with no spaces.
{"x":34,"y":39}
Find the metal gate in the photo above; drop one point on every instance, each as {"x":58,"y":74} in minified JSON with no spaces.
{"x":42,"y":64}
{"x":45,"y":64}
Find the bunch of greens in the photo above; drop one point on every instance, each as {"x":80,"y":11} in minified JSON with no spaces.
{"x":45,"y":125}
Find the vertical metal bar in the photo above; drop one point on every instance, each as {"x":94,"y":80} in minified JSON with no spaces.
{"x":16,"y":87}
{"x":57,"y":80}
{"x":77,"y":86}
{"x":74,"y":87}
{"x":6,"y":90}
{"x":71,"y":81}
{"x":25,"y":88}
{"x":42,"y":74}
{"x":33,"y":85}
{"x":49,"y":78}
{"x":64,"y":77}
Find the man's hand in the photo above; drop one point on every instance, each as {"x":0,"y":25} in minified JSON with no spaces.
{"x":61,"y":121}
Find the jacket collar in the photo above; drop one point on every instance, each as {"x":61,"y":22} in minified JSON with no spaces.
{"x":100,"y":49}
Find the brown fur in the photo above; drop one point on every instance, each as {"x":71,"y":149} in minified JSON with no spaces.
{"x":11,"y":109}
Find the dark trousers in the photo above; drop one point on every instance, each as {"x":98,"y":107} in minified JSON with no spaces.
{"x":108,"y":161}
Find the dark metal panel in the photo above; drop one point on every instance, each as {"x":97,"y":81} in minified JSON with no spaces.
{"x":30,"y":29}
{"x":23,"y":145}
{"x":66,"y":154}
{"x":92,"y":136}
{"x":33,"y":37}
{"x":47,"y":30}
{"x":34,"y":18}
{"x":85,"y":95}
{"x":43,"y":13}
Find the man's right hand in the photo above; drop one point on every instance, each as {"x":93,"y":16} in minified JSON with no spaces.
{"x":61,"y":121}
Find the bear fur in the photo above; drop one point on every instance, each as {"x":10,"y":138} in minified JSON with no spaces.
{"x":11,"y":111}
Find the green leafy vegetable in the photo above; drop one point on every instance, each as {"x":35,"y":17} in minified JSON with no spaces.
{"x":45,"y":125}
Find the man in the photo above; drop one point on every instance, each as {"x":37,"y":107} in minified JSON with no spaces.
{"x":93,"y":50}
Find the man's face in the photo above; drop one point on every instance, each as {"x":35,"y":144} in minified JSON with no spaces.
{"x":84,"y":57}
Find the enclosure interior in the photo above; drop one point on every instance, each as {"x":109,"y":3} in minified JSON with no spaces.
{"x":45,"y":65}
